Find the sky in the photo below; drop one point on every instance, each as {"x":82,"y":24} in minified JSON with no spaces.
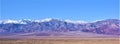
{"x":87,"y":10}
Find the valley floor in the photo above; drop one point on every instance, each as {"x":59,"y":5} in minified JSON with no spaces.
{"x":62,"y":40}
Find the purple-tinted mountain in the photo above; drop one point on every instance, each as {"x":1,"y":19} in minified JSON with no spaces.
{"x":109,"y":26}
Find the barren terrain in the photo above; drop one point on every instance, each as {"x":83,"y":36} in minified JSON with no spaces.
{"x":62,"y":40}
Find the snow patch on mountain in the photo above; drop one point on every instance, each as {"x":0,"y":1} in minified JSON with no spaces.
{"x":70,"y":21}
{"x":12,"y":21}
{"x":46,"y":20}
{"x":8,"y":21}
{"x":25,"y":21}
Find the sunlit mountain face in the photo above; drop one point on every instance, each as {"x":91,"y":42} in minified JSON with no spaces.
{"x":50,"y":26}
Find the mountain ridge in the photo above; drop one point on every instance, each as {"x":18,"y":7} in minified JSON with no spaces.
{"x":108,"y":27}
{"x":43,"y":20}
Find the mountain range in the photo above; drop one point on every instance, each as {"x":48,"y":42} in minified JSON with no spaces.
{"x":105,"y":27}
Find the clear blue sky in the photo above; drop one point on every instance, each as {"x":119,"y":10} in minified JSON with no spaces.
{"x":88,"y":10}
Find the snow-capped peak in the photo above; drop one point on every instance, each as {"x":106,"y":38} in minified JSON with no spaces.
{"x":25,"y":21}
{"x":12,"y":21}
{"x":46,"y":19}
{"x":70,"y":21}
{"x":8,"y":21}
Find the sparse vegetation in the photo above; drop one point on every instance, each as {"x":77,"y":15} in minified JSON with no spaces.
{"x":60,"y":41}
